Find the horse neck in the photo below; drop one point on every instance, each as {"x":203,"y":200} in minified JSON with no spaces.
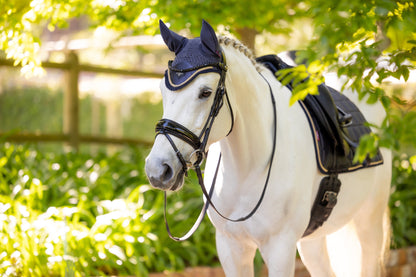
{"x":250,"y":143}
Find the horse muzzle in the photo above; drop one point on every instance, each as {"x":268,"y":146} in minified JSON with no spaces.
{"x":164,"y":174}
{"x":166,"y":171}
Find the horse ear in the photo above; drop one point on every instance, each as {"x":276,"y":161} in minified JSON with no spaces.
{"x":174,"y":41}
{"x":209,"y":39}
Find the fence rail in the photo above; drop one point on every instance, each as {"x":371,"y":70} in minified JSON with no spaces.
{"x":91,"y":68}
{"x":33,"y":137}
{"x":71,"y":134}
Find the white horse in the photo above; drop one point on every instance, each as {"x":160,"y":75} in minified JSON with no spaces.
{"x":351,"y":242}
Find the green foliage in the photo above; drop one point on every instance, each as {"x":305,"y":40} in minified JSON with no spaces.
{"x":303,"y":80}
{"x":403,"y":201}
{"x":365,"y":41}
{"x":88,"y":215}
{"x":368,"y":42}
{"x":31,"y":109}
{"x":397,"y":132}
{"x":21,"y":22}
{"x":40,"y":110}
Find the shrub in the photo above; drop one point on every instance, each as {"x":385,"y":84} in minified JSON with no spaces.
{"x":73,"y":213}
{"x":403,"y":201}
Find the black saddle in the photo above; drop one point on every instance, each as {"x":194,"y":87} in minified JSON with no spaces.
{"x":336,"y":125}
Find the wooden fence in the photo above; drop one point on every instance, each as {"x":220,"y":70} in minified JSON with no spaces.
{"x":71,"y":133}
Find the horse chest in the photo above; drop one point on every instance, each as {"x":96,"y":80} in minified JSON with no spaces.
{"x":254,"y":229}
{"x":270,"y":216}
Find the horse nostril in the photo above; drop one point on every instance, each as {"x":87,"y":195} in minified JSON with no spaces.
{"x":167,"y":173}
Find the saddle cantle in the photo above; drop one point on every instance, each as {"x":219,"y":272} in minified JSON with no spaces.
{"x":336,"y":124}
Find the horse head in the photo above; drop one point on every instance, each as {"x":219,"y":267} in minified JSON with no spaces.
{"x":193,"y":91}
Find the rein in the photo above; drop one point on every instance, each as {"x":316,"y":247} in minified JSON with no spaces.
{"x":169,"y":127}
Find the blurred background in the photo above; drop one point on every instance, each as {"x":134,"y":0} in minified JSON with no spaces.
{"x":79,"y":98}
{"x":118,"y":84}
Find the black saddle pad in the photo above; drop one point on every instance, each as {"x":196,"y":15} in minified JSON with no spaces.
{"x":336,"y":125}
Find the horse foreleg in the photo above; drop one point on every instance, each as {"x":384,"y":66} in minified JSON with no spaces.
{"x":236,"y":256}
{"x":373,"y":232}
{"x":279,"y":254}
{"x":314,"y":255}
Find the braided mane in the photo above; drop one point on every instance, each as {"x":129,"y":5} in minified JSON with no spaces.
{"x":241,"y":48}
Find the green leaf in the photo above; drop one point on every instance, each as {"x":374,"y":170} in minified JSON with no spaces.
{"x":386,"y":101}
{"x":405,"y":73}
{"x":372,"y":99}
{"x":3,"y":161}
{"x":367,"y":147}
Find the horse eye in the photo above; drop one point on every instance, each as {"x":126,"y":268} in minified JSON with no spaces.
{"x":205,"y":93}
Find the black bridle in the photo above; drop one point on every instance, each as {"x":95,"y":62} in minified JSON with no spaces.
{"x":169,"y":127}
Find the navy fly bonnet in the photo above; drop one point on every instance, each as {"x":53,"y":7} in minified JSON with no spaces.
{"x":192,"y":56}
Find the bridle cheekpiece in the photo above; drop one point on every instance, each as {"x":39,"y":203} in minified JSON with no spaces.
{"x":168,"y":127}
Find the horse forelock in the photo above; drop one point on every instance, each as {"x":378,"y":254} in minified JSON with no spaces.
{"x":240,"y":47}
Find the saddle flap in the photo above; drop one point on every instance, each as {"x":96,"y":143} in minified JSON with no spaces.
{"x":336,"y":124}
